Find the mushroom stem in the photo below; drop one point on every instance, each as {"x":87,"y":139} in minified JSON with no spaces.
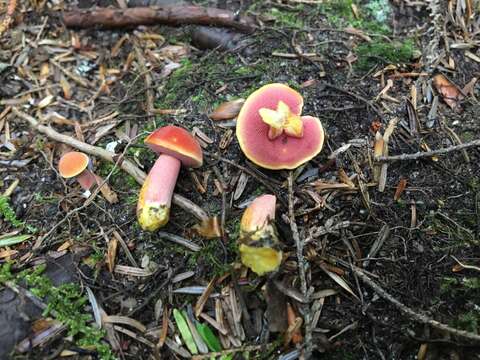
{"x":153,"y":207}
{"x":86,"y":179}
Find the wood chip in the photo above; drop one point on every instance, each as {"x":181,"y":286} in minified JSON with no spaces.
{"x":204,"y":297}
{"x":132,"y":271}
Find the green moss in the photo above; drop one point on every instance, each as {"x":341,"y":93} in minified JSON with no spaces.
{"x":338,"y":12}
{"x":288,"y":18}
{"x":8,"y":214}
{"x":118,"y":177}
{"x":211,"y":254}
{"x":469,"y":321}
{"x":45,"y":199}
{"x":370,"y":54}
{"x":67,"y":302}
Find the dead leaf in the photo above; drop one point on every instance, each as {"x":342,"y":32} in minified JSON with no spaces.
{"x":241,"y":184}
{"x":357,"y":32}
{"x":41,"y":325}
{"x":339,"y":280}
{"x":47,"y":100}
{"x":451,"y":94}
{"x":226,"y":139}
{"x":343,"y":177}
{"x":67,"y":90}
{"x":469,"y":88}
{"x":111,"y":253}
{"x":402,"y":184}
{"x":173,"y":52}
{"x":106,"y":191}
{"x":209,"y":228}
{"x":293,"y":333}
{"x":227,"y":110}
{"x":125,"y":320}
{"x":204,"y":297}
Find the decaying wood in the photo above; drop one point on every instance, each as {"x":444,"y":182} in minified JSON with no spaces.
{"x":169,"y":15}
{"x":126,"y":165}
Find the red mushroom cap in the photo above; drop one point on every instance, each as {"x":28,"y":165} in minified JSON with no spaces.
{"x":72,"y":164}
{"x":284,"y":151}
{"x":178,"y":143}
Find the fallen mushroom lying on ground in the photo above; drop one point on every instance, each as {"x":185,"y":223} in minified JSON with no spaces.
{"x":258,"y":242}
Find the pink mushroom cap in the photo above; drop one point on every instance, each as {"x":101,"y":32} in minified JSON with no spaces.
{"x":283,"y":152}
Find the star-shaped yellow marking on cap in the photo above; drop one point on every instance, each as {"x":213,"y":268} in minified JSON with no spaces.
{"x":281,"y":120}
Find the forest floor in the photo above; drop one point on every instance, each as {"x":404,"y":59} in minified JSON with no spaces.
{"x":401,"y":73}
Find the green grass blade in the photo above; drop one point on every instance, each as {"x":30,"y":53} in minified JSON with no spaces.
{"x":185,"y":331}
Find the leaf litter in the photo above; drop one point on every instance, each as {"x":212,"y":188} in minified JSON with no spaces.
{"x":93,"y":86}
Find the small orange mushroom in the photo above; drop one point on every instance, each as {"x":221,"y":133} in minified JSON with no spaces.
{"x":176,"y":146}
{"x":271,"y":131}
{"x":259,"y":245}
{"x":77,"y":165}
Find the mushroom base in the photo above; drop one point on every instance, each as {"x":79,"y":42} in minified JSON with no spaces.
{"x":260,"y":260}
{"x":152,"y":216}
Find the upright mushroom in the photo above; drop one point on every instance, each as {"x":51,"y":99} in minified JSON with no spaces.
{"x":271,"y":131}
{"x":77,"y":165}
{"x":259,"y":245}
{"x":175,"y":146}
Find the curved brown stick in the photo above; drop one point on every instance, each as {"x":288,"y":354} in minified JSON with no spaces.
{"x":169,"y":15}
{"x":126,"y":165}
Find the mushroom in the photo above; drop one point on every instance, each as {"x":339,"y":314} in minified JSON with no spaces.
{"x":271,"y":131}
{"x":259,"y":245}
{"x":77,"y":165}
{"x":175,"y":146}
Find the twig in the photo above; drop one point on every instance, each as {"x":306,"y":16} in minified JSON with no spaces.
{"x":422,"y":154}
{"x":465,"y":266}
{"x":299,"y":243}
{"x":356,"y":96}
{"x":170,"y":15}
{"x":125,"y":164}
{"x":147,"y":76}
{"x":409,"y":312}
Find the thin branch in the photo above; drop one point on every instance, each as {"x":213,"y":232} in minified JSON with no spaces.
{"x":170,"y":15}
{"x":409,"y":312}
{"x":299,"y":243}
{"x":422,"y":154}
{"x":296,"y":236}
{"x":125,"y":164}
